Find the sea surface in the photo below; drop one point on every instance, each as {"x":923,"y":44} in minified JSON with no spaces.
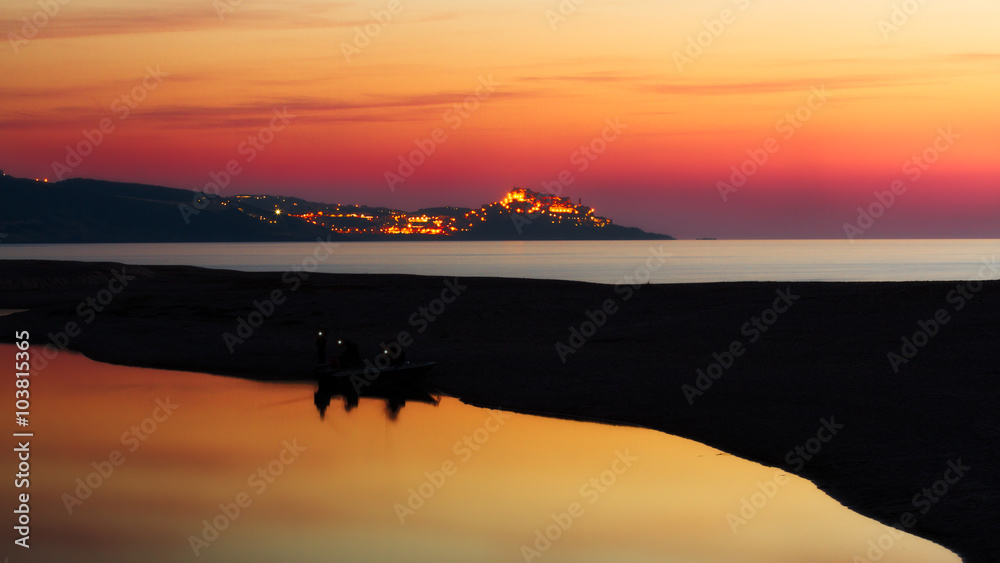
{"x":599,"y":262}
{"x":131,"y":464}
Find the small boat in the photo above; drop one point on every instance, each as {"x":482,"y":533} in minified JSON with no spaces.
{"x":406,"y":371}
{"x":349,"y":365}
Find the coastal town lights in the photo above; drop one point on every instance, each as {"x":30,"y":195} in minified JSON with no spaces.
{"x":354,"y":219}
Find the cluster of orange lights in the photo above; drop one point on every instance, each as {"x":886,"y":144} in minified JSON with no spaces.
{"x":560,"y":209}
{"x":394,"y":223}
{"x":389,"y":222}
{"x":417,"y":231}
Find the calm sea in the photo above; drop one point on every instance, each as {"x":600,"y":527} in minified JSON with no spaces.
{"x":601,"y":262}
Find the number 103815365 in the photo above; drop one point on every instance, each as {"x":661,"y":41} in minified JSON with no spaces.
{"x":22,"y":369}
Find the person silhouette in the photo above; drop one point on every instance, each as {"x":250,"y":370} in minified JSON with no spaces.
{"x":321,"y":348}
{"x":351,"y":356}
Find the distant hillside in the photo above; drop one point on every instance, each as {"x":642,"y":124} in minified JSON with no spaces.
{"x":95,"y":211}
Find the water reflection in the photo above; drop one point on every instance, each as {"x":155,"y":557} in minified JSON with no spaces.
{"x":444,"y":482}
{"x":395,"y":395}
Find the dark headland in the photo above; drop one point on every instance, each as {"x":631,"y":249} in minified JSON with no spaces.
{"x":80,"y":210}
{"x":823,"y":356}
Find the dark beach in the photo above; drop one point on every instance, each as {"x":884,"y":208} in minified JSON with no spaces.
{"x":790,"y":361}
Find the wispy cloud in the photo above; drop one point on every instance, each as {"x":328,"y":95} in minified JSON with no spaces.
{"x":426,"y":107}
{"x":785,"y":85}
{"x":162,"y":17}
{"x":374,"y":109}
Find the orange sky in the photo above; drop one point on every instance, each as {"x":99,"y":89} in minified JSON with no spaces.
{"x":556,"y":72}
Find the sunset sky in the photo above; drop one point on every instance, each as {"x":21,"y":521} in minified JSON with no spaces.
{"x":884,"y":86}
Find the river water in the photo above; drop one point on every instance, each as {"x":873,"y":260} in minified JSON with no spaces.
{"x":132,"y":464}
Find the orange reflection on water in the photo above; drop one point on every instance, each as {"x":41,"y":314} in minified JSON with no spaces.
{"x":492,"y":482}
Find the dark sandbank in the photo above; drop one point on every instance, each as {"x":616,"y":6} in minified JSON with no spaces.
{"x":825,"y":357}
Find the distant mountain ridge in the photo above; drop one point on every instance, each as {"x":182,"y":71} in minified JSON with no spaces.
{"x":96,"y":211}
